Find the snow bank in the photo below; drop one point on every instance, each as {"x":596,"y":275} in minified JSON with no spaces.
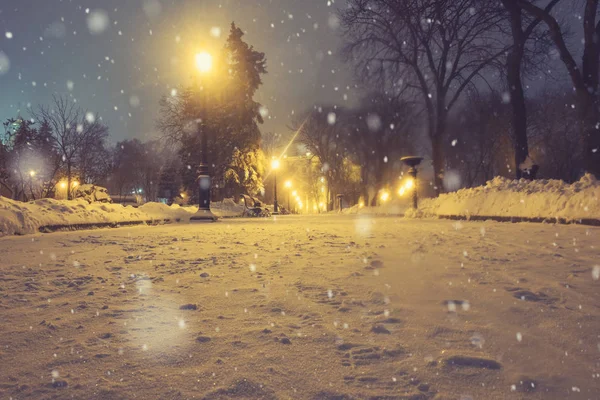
{"x":18,"y":218}
{"x":22,"y":218}
{"x":502,"y":197}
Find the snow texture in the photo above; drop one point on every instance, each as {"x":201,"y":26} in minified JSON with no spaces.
{"x":18,"y":218}
{"x":304,"y":307}
{"x":502,"y":197}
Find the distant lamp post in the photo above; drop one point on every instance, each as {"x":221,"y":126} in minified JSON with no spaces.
{"x":384,"y":196}
{"x":32,"y":173}
{"x":288,"y":186}
{"x":412,"y":162}
{"x":204,"y":64}
{"x":275,"y":166}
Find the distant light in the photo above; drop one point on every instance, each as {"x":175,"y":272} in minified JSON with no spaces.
{"x":75,"y":183}
{"x":361,"y":204}
{"x":401,"y":191}
{"x":385,"y":196}
{"x":63,"y":185}
{"x":275,"y":164}
{"x":32,"y":173}
{"x":295,"y":193}
{"x":409,"y":183}
{"x":215,"y":31}
{"x":204,"y":61}
{"x":288,"y":184}
{"x":182,"y":195}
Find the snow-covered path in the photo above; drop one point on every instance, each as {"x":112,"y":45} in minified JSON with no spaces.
{"x":322,"y":307}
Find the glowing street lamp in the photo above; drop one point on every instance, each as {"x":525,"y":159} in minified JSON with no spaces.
{"x":412,"y":162}
{"x":32,"y":173}
{"x":204,"y":64}
{"x":385,"y":196}
{"x":275,"y":166}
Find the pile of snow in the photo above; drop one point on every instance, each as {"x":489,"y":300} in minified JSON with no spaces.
{"x":226,"y":208}
{"x":21,"y":218}
{"x":92,"y":193}
{"x":502,"y":197}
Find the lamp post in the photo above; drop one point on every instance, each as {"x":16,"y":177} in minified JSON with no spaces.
{"x":288,"y":185}
{"x":275,"y":166}
{"x":204,"y":65}
{"x":413,"y":162}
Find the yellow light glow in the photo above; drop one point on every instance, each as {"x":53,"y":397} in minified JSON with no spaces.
{"x":401,"y":191}
{"x":32,"y":173}
{"x":322,"y":179}
{"x":182,"y":195}
{"x":385,"y":196}
{"x":288,"y":184}
{"x":322,"y":205}
{"x":295,"y":193}
{"x":204,"y":62}
{"x":75,"y":183}
{"x":63,"y":185}
{"x":409,"y":183}
{"x":361,"y":204}
{"x":275,"y":164}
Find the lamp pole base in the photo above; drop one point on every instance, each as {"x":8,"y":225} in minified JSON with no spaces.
{"x":204,"y":216}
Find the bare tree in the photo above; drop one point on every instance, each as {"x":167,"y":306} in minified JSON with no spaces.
{"x":435,"y":48}
{"x":585,"y":78}
{"x":479,"y":139}
{"x":326,"y":139}
{"x":271,"y":144}
{"x":556,"y":142}
{"x":72,"y":130}
{"x":380,"y":133}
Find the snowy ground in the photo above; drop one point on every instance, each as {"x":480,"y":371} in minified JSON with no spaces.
{"x":322,"y":307}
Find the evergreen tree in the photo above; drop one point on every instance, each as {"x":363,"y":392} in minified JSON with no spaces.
{"x":225,"y":107}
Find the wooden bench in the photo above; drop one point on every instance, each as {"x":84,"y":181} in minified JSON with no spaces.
{"x":253,"y":207}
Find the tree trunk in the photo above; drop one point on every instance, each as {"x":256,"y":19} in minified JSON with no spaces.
{"x":437,"y":146}
{"x":69,"y":196}
{"x":590,"y":121}
{"x":437,"y":156}
{"x":515,"y":87}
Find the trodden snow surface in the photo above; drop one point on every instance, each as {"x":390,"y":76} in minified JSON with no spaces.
{"x":322,"y":307}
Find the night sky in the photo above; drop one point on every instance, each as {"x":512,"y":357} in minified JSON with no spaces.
{"x":119,"y":57}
